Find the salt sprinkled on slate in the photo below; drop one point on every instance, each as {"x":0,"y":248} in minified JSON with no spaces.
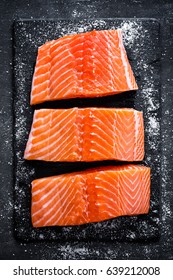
{"x":136,"y":35}
{"x":131,"y":32}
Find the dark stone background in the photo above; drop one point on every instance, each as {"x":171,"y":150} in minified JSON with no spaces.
{"x":10,"y":248}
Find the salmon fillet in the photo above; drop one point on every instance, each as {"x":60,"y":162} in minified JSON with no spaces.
{"x":86,"y":134}
{"x":91,"y":196}
{"x":82,"y":65}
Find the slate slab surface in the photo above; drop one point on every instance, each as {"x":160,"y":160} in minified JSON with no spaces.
{"x":142,"y":42}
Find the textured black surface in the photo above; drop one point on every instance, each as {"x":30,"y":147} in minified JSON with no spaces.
{"x":28,"y":36}
{"x":9,"y":247}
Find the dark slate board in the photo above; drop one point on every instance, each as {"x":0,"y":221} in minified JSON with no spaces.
{"x":141,"y":39}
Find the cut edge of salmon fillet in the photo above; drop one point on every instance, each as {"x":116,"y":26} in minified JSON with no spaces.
{"x":86,"y":134}
{"x":63,"y":71}
{"x":92,"y":195}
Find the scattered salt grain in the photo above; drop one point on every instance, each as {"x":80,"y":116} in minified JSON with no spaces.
{"x":153,"y":124}
{"x":80,"y":29}
{"x":131,"y":30}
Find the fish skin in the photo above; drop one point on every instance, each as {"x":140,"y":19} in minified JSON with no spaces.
{"x":90,"y":64}
{"x":86,"y":134}
{"x":92,"y":195}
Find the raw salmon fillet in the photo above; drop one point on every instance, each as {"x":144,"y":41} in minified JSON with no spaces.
{"x":82,"y":65}
{"x":86,"y":134}
{"x":91,"y":196}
